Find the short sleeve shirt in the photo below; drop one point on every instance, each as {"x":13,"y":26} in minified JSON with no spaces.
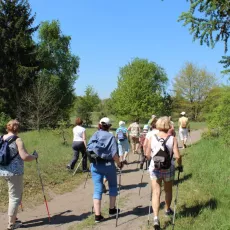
{"x":78,"y":133}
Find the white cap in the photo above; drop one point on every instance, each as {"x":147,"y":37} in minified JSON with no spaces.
{"x":121,"y":123}
{"x":182,"y":113}
{"x":154,"y":116}
{"x":146,"y":127}
{"x":105,"y":120}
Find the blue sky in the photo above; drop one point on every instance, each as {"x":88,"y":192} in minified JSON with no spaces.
{"x":106,"y":35}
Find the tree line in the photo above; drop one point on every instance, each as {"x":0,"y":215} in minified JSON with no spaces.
{"x":38,"y":75}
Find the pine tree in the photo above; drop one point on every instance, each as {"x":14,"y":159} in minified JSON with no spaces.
{"x":209,"y":22}
{"x":18,"y":64}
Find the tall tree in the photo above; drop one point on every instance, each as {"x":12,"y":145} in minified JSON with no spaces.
{"x":86,"y":104}
{"x":140,"y":88}
{"x":211,"y":25}
{"x":193,"y":84}
{"x":17,"y":52}
{"x":57,"y":62}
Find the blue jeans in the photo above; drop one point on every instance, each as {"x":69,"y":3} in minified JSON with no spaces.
{"x":99,"y":171}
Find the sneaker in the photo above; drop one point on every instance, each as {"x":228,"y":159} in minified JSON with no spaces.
{"x":99,"y":218}
{"x":113,"y":211}
{"x":104,"y":188}
{"x":169,"y":212}
{"x":125,"y":162}
{"x":17,"y":224}
{"x":156,"y":224}
{"x":68,"y":167}
{"x":85,"y":170}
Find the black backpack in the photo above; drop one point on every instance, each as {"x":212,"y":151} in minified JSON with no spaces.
{"x":162,"y":160}
{"x":5,"y":156}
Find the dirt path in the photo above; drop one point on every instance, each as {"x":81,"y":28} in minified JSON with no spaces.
{"x":71,"y":208}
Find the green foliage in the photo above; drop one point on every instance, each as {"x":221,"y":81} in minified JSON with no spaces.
{"x":62,"y":131}
{"x":217,"y":112}
{"x":57,"y":62}
{"x":18,"y":65}
{"x":209,"y":22}
{"x":140,"y":90}
{"x":192,"y":86}
{"x":3,"y":121}
{"x":86,"y":104}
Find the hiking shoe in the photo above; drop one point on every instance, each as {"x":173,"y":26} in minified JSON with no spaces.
{"x":104,"y":188}
{"x":85,"y":170}
{"x":99,"y":218}
{"x":156,"y":224}
{"x":125,"y":162}
{"x":169,"y":212}
{"x":113,"y":211}
{"x":16,"y":225}
{"x":68,"y":167}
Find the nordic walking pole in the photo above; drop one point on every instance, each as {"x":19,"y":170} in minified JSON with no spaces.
{"x":87,"y":177}
{"x":119,"y":191}
{"x":78,"y":166}
{"x":143,"y":174}
{"x":175,"y":202}
{"x":150,"y":203}
{"x":39,"y":174}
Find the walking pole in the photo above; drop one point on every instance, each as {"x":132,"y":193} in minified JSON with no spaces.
{"x":87,"y":176}
{"x":147,"y":165}
{"x":78,"y":166}
{"x":119,"y":191}
{"x":39,"y":174}
{"x":175,"y":202}
{"x":150,"y":203}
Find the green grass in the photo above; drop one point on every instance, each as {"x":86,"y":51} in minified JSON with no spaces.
{"x":53,"y":158}
{"x":204,"y":194}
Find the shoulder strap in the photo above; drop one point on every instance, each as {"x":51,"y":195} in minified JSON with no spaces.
{"x":11,"y":139}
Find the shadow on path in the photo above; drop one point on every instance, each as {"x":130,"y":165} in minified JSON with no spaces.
{"x":57,"y":219}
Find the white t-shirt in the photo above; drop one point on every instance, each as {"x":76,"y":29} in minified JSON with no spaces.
{"x":151,"y":133}
{"x":78,"y":133}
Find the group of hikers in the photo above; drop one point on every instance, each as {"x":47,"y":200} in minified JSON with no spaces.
{"x":156,"y":143}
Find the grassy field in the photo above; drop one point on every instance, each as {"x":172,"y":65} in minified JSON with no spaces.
{"x":204,"y":194}
{"x":53,"y":158}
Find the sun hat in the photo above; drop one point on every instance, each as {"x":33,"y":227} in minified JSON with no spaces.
{"x":105,"y":120}
{"x":146,"y":127}
{"x":154,"y":116}
{"x":121,"y":123}
{"x":182,"y":113}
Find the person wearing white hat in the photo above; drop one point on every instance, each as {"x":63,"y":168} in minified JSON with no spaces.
{"x":103,"y":153}
{"x":184,"y":128}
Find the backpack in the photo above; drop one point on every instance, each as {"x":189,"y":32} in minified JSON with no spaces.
{"x":184,"y":123}
{"x":5,"y":156}
{"x":135,"y":130}
{"x":96,"y":149}
{"x":121,"y":136}
{"x":162,"y":160}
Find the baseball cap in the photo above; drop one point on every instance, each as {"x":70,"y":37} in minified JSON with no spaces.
{"x":105,"y":120}
{"x":182,"y":113}
{"x":146,"y":127}
{"x":121,"y":123}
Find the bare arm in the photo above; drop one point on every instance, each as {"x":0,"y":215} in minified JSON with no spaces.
{"x":117,"y":160}
{"x":176,"y":152}
{"x":84,"y":138}
{"x":23,"y":152}
{"x":148,"y":149}
{"x":145,"y":145}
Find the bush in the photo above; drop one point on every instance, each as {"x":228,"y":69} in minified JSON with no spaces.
{"x":3,"y":121}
